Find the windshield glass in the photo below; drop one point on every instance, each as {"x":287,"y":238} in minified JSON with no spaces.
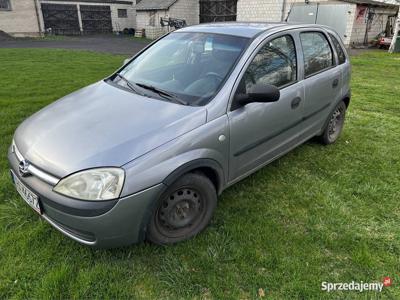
{"x":190,"y":66}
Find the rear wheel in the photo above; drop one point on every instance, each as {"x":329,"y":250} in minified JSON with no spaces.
{"x":335,"y":125}
{"x":184,"y":210}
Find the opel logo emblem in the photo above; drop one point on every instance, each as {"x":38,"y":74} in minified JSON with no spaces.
{"x":23,"y":168}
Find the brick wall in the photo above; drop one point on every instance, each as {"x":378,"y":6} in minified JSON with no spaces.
{"x":271,"y":11}
{"x":150,"y":22}
{"x":185,"y":9}
{"x":21,"y":20}
{"x":349,"y":24}
{"x":265,"y":10}
{"x":260,"y":10}
{"x":378,"y":25}
{"x":118,"y":24}
{"x":121,"y":23}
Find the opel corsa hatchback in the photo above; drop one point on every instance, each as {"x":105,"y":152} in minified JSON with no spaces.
{"x":144,"y":153}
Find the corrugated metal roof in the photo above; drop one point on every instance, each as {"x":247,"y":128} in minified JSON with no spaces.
{"x":154,"y":4}
{"x":390,"y":3}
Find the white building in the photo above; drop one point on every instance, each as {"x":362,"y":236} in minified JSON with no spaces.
{"x":34,"y":17}
{"x":149,"y":13}
{"x":357,"y":21}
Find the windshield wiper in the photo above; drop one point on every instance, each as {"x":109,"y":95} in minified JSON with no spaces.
{"x":164,"y":94}
{"x":128,"y":83}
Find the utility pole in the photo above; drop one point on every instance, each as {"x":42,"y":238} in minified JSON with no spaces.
{"x":396,"y":31}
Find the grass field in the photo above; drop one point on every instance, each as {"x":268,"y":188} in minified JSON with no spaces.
{"x":317,"y":214}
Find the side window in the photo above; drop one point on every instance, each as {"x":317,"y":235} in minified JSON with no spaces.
{"x":317,"y":52}
{"x":5,"y":5}
{"x":339,"y":49}
{"x":122,"y":13}
{"x":274,"y":64}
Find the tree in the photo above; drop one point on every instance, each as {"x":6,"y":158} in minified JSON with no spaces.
{"x":396,"y":32}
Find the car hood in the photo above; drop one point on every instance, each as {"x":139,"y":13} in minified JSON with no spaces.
{"x":101,"y":125}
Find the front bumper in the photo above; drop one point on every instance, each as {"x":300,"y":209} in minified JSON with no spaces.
{"x":101,"y":224}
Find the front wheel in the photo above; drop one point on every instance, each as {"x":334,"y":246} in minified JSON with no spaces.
{"x":183,"y":211}
{"x":335,"y":125}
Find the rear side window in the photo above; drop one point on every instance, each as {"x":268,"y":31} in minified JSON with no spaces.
{"x":317,"y":52}
{"x":274,"y":64}
{"x":339,"y":49}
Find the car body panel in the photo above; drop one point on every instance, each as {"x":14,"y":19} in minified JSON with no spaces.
{"x":155,"y":141}
{"x":101,"y":125}
{"x":102,"y":224}
{"x":258,"y":128}
{"x":241,"y":29}
{"x":123,"y":224}
{"x":200,"y":143}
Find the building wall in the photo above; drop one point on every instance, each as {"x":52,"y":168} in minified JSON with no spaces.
{"x":271,"y":10}
{"x":265,"y":10}
{"x":150,"y":22}
{"x":118,"y":24}
{"x":181,"y":9}
{"x":21,"y":20}
{"x":274,"y":11}
{"x":350,"y":24}
{"x":377,"y":26}
{"x":260,"y":10}
{"x":185,"y":9}
{"x":121,"y":23}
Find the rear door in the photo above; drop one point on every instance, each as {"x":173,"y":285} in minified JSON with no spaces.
{"x":322,"y":79}
{"x":342,"y":63}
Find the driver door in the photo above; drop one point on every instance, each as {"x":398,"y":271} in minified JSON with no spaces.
{"x":261,"y":131}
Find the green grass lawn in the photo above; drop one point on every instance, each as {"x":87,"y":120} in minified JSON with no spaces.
{"x":317,"y":214}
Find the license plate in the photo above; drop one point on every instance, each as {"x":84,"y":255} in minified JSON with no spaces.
{"x":31,"y":198}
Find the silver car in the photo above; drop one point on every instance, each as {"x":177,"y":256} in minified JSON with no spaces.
{"x":144,"y":153}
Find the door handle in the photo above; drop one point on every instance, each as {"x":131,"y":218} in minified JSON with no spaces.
{"x":295,"y":102}
{"x":335,"y":83}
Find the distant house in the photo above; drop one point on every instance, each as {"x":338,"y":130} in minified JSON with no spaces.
{"x":19,"y":17}
{"x":34,"y":17}
{"x":149,"y":13}
{"x":357,"y":21}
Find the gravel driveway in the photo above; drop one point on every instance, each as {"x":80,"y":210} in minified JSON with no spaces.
{"x":110,"y":43}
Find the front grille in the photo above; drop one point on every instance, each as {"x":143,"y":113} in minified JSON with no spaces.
{"x":31,"y":169}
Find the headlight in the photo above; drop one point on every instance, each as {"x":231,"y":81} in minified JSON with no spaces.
{"x":94,"y":184}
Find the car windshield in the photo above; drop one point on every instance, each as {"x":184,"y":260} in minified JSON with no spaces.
{"x":189,"y":67}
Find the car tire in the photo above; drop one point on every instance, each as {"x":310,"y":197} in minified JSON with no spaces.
{"x":335,"y":125}
{"x":183,"y":210}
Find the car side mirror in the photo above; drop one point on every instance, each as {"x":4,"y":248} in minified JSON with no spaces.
{"x":126,"y":61}
{"x":259,"y":93}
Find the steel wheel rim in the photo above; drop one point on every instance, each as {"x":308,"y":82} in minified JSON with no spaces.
{"x":180,"y":212}
{"x":335,"y":124}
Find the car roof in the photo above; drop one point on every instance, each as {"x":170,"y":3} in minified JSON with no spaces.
{"x":243,"y":29}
